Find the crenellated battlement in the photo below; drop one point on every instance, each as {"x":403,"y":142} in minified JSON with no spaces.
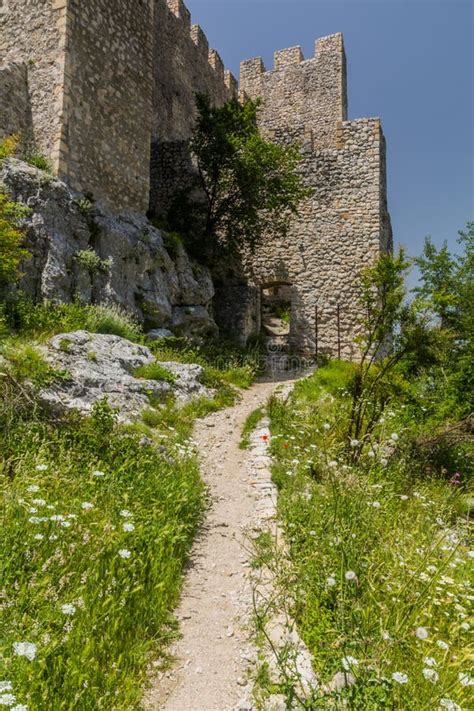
{"x":216,"y":63}
{"x":200,"y":40}
{"x":179,"y":9}
{"x":231,"y":83}
{"x":284,"y":58}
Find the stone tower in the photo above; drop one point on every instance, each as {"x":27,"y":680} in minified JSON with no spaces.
{"x":342,"y":227}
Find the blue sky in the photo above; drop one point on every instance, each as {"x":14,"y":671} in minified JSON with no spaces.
{"x":409,"y":62}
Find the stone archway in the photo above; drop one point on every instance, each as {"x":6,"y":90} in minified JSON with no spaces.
{"x":276,"y":312}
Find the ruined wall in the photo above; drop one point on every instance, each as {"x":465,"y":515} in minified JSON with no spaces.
{"x":344,"y":225}
{"x":33,"y":32}
{"x":183,"y":66}
{"x":108,"y":100}
{"x":15,"y":115}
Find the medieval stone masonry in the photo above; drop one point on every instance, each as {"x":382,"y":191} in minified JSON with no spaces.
{"x":106,"y":90}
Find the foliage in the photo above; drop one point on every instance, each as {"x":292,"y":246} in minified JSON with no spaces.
{"x":37,"y":160}
{"x":154,"y":371}
{"x":12,"y":253}
{"x":246,"y":187}
{"x":9,"y":146}
{"x":250,"y":425}
{"x":46,"y":319}
{"x":376,"y":574}
{"x":96,"y":529}
{"x":27,"y":364}
{"x":89,"y":260}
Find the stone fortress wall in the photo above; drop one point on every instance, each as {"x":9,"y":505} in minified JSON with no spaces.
{"x":343,"y":226}
{"x":107,"y":92}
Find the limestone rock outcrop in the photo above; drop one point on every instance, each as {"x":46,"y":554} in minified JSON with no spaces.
{"x":98,"y":366}
{"x":80,"y":251}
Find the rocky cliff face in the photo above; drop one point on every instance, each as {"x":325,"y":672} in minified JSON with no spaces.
{"x":80,"y":251}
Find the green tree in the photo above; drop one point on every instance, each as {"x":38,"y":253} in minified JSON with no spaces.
{"x":245,"y":187}
{"x":437,"y":291}
{"x":11,"y":239}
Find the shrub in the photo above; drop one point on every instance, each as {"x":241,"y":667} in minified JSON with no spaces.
{"x":154,"y":371}
{"x":89,"y":260}
{"x":12,"y":252}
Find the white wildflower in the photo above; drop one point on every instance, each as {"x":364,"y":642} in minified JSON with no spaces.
{"x":68,"y":609}
{"x":125,"y":513}
{"x":33,"y":489}
{"x":470,"y":554}
{"x":404,"y":497}
{"x":432,"y":569}
{"x":375,"y":504}
{"x":400,"y":677}
{"x":57,"y":517}
{"x":394,"y":437}
{"x":128,"y":527}
{"x":39,"y":502}
{"x":465,"y":679}
{"x":442,"y":645}
{"x":430,"y":675}
{"x":450,"y":705}
{"x":39,"y":537}
{"x":332,"y":464}
{"x":350,"y":575}
{"x":98,"y":473}
{"x":65,"y":524}
{"x":25,"y":649}
{"x":87,"y":506}
{"x":386,"y":635}
{"x":354,"y":443}
{"x":384,"y":462}
{"x":19,"y":707}
{"x":331,"y":581}
{"x":5,"y":686}
{"x":349,"y":663}
{"x":124,"y":553}
{"x":32,"y":510}
{"x":466,"y":626}
{"x":421,"y":633}
{"x":430,"y":662}
{"x":7,"y":699}
{"x":41,"y":467}
{"x":327,"y":426}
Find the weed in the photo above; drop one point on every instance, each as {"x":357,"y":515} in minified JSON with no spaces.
{"x":249,"y":426}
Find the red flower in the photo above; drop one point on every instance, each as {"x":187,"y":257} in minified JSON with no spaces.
{"x":285,"y":445}
{"x":265,"y":438}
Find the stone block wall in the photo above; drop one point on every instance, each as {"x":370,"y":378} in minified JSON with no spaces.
{"x":15,"y":116}
{"x":33,"y":32}
{"x":344,"y":225}
{"x":105,"y":146}
{"x":184,"y":65}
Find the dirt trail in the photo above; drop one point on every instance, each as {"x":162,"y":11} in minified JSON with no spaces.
{"x":213,"y":655}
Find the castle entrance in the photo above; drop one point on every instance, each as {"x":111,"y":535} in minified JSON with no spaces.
{"x":276,"y":316}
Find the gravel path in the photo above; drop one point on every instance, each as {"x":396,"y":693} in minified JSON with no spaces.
{"x":214,"y":655}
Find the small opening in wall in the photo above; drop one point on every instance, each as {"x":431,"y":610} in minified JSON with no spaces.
{"x":276,"y":314}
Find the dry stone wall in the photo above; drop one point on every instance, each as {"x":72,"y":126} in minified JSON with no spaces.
{"x":15,"y":117}
{"x":184,"y":65}
{"x":342,"y":227}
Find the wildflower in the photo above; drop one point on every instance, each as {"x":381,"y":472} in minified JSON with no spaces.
{"x":430,"y":662}
{"x":349,"y":663}
{"x":39,"y":502}
{"x":39,"y":537}
{"x":430,"y":675}
{"x":450,"y":705}
{"x":404,"y":497}
{"x":442,"y":645}
{"x":32,"y":510}
{"x":124,"y":553}
{"x":5,"y":686}
{"x":386,"y":635}
{"x":371,"y":453}
{"x":354,"y":443}
{"x":19,"y":707}
{"x":350,"y":575}
{"x":375,"y":504}
{"x":400,"y":677}
{"x":98,"y":473}
{"x":87,"y":506}
{"x":57,"y":517}
{"x":25,"y":649}
{"x":128,"y":527}
{"x":125,"y":514}
{"x":41,"y":467}
{"x":394,"y":437}
{"x":7,"y":699}
{"x":37,"y":519}
{"x":384,"y":462}
{"x":33,"y":489}
{"x":331,"y":581}
{"x":68,"y":609}
{"x":432,"y":569}
{"x":326,"y":426}
{"x":265,"y":438}
{"x":65,"y":524}
{"x":333,"y":464}
{"x":465,"y":626}
{"x":470,"y":554}
{"x":465,"y":679}
{"x":421,"y":633}
{"x":455,"y":479}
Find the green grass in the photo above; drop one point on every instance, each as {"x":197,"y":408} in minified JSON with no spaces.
{"x":378,"y":550}
{"x":250,"y":425}
{"x":154,"y":371}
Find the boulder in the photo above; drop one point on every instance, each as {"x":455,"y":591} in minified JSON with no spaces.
{"x":81,"y":251}
{"x":102,"y":366}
